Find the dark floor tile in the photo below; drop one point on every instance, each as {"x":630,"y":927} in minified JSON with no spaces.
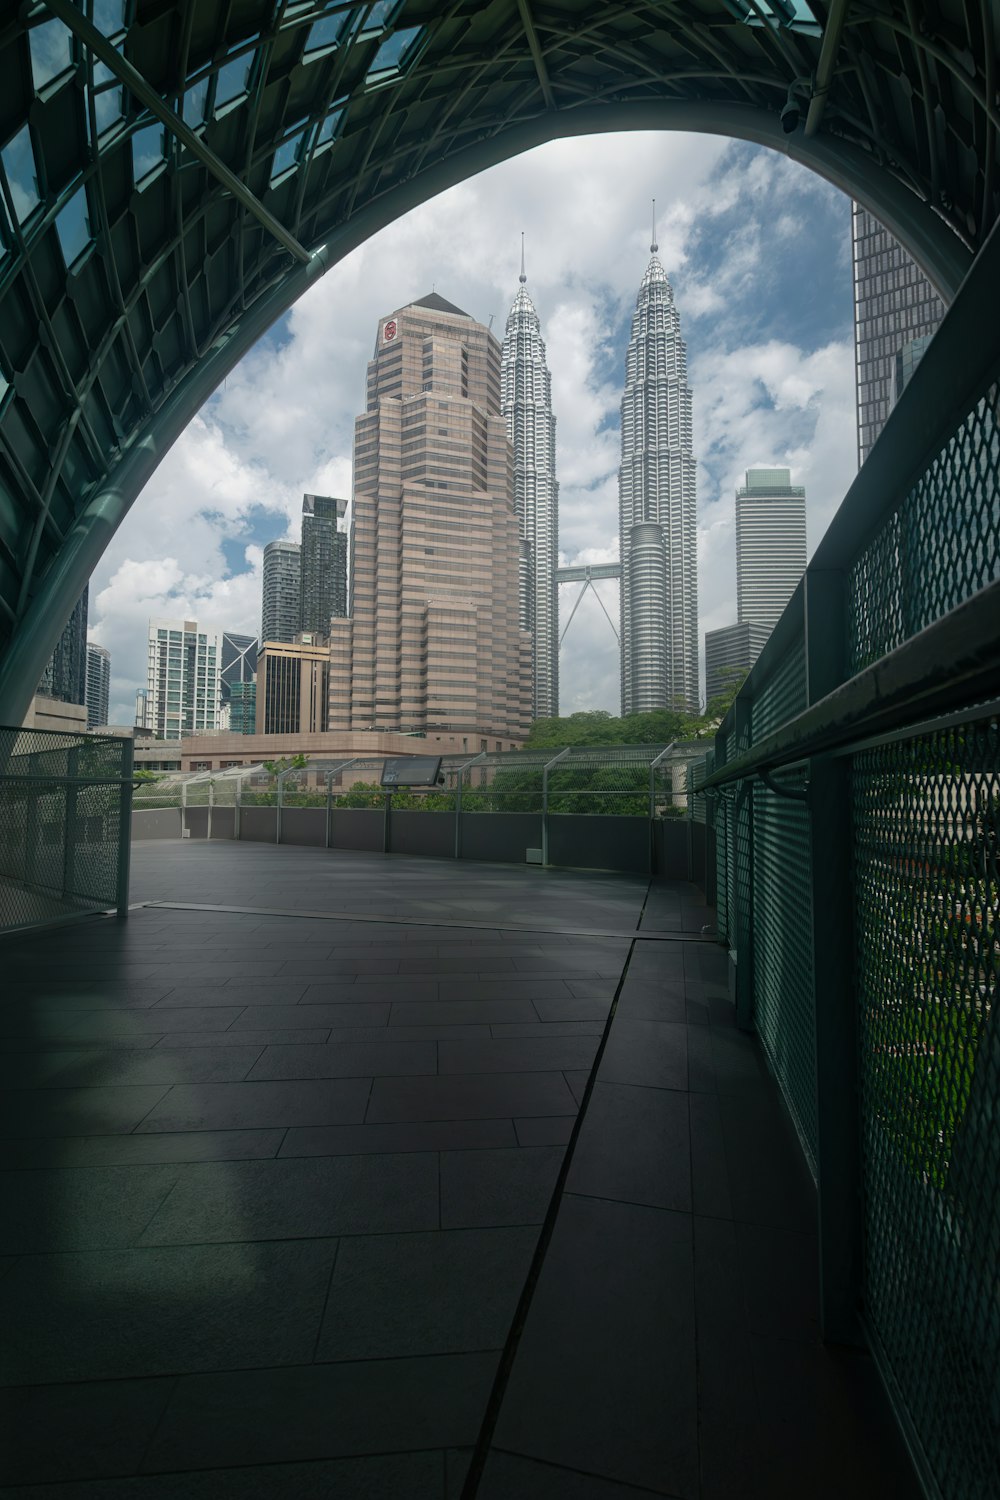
{"x":769,"y":1181}
{"x":728,"y":1414}
{"x":300,"y":1036}
{"x":739,"y":1062}
{"x":593,"y":989}
{"x":440,"y":1293}
{"x":241,"y":992}
{"x":349,"y":1060}
{"x":653,"y":1053}
{"x":93,"y":1069}
{"x":461,"y":1012}
{"x":446,"y":1135}
{"x":605,"y":1375}
{"x":709,"y":1173}
{"x":572,"y":1008}
{"x":292,"y":1198}
{"x":393,"y":1034}
{"x":236,"y":1106}
{"x":401,"y":1476}
{"x":477,"y":1096}
{"x":508,"y":1475}
{"x":312,"y":1017}
{"x":634,"y":1146}
{"x":66,"y":1209}
{"x":641,"y":1001}
{"x":98,"y":1024}
{"x":523,"y":986}
{"x":82,"y":1111}
{"x":267,"y":1416}
{"x":70,"y":1432}
{"x":163,"y":1310}
{"x":779,"y":1274}
{"x":548,"y":1028}
{"x":140,"y":1150}
{"x":577,"y":1082}
{"x":554,"y":1131}
{"x":457,"y":1461}
{"x":483,"y":1188}
{"x":518,"y":1054}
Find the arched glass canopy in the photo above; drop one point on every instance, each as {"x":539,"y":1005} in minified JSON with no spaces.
{"x":175,"y":173}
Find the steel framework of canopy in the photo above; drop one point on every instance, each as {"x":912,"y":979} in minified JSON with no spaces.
{"x":175,"y":173}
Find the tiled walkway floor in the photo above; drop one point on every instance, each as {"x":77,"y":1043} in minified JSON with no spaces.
{"x":288,"y":1208}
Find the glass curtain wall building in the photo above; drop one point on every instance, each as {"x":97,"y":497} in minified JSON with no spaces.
{"x":770,"y":544}
{"x":65,"y":676}
{"x":526,"y":402}
{"x":282,"y":604}
{"x":323,"y":584}
{"x":896,"y":310}
{"x":656,"y":509}
{"x":98,"y":685}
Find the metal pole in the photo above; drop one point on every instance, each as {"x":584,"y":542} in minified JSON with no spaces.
{"x":545,"y":801}
{"x":125,"y":827}
{"x":652,"y":802}
{"x":331,"y":773}
{"x":839,"y":1177}
{"x":236,"y":809}
{"x":742,"y":926}
{"x":458,"y":799}
{"x":211,"y":804}
{"x":184,"y":803}
{"x":69,"y":827}
{"x":386,"y":816}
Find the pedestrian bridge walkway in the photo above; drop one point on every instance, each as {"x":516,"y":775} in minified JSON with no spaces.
{"x":333,"y":1174}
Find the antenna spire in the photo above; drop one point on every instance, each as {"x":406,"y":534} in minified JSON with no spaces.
{"x":522,"y":278}
{"x":653,"y":245}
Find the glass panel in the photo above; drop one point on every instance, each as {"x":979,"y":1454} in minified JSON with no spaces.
{"x":328,"y":31}
{"x":109,"y":103}
{"x":329,"y":127}
{"x":147,"y":151}
{"x":109,"y":16}
{"x":381,"y":14}
{"x":73,"y":227}
{"x":391,"y":55}
{"x":19,"y":166}
{"x":51,"y":52}
{"x":233,"y":79}
{"x":195,"y":102}
{"x":286,"y":156}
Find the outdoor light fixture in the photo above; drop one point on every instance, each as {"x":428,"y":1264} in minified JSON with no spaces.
{"x":791,"y":114}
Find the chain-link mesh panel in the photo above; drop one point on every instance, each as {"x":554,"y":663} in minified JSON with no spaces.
{"x":62,"y":798}
{"x":927,"y":816}
{"x":784,"y":1000}
{"x":781,"y":697}
{"x":940,"y":547}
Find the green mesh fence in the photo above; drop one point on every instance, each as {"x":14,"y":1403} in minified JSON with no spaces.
{"x":927,"y":815}
{"x":63,"y":799}
{"x":784,"y":1008}
{"x":937,"y":549}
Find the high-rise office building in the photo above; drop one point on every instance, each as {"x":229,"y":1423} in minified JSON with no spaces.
{"x":292,"y":681}
{"x":98,"y":685}
{"x":323,"y":586}
{"x":282,"y":606}
{"x":243,"y":708}
{"x":239,"y":662}
{"x":896,"y":311}
{"x":656,"y":509}
{"x":729,"y":652}
{"x":65,"y":675}
{"x":526,"y":402}
{"x":770,"y":544}
{"x":182,"y":679}
{"x":433,"y":639}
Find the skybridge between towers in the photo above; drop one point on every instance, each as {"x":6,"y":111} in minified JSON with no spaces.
{"x":340,"y":1171}
{"x":587,"y":574}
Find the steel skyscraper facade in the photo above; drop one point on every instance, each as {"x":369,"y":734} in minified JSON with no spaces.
{"x":282,"y":606}
{"x":657,"y":509}
{"x":98,"y":684}
{"x":526,"y":403}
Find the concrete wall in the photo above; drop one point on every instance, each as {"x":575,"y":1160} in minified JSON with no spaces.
{"x":604,"y":842}
{"x":157,"y":823}
{"x":303,"y":825}
{"x":422,"y":833}
{"x":501,"y":838}
{"x":357,"y":828}
{"x":258,"y":825}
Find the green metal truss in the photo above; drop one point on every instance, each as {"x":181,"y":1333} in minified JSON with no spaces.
{"x":174,"y":175}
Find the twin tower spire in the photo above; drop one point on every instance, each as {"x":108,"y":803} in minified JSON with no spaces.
{"x":656,"y":501}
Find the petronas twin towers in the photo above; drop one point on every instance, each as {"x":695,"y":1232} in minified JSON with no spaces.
{"x":656,"y":502}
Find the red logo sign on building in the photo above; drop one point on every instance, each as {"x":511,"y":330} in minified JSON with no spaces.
{"x":389,"y":331}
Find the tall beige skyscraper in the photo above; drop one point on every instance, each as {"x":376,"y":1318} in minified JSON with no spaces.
{"x":433,"y":638}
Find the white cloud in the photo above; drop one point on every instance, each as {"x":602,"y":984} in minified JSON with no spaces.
{"x":283,"y":422}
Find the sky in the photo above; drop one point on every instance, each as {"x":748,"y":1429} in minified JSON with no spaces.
{"x":757,"y":249}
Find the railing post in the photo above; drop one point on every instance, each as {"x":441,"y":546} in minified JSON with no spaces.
{"x":741,"y":924}
{"x":184,"y":803}
{"x":545,"y":801}
{"x":211,"y":804}
{"x":277,"y":811}
{"x":69,"y":828}
{"x":329,"y":808}
{"x":458,"y":799}
{"x":653,"y":767}
{"x":236,"y":809}
{"x":125,"y":828}
{"x":838,"y":1156}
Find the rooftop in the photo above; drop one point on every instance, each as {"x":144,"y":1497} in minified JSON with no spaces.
{"x":337,"y":1174}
